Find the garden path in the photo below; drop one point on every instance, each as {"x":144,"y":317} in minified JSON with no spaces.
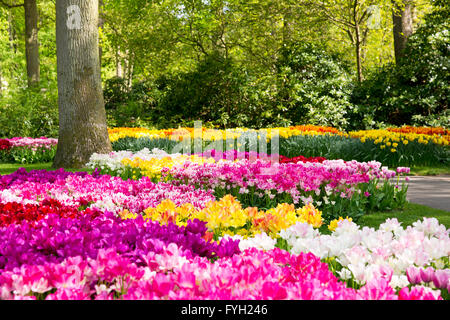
{"x":431,"y":191}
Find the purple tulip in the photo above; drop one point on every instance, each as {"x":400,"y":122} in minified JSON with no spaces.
{"x":54,"y":239}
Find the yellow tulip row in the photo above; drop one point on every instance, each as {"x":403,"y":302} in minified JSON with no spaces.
{"x":215,"y":134}
{"x":227,"y":217}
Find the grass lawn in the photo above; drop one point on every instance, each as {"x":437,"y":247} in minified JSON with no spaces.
{"x":429,"y":171}
{"x":7,"y":168}
{"x":411,"y":213}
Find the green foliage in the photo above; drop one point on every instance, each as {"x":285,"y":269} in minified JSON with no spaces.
{"x":314,"y":85}
{"x":133,"y":144}
{"x":26,"y":155}
{"x":29,"y":113}
{"x":415,"y":91}
{"x":238,"y":63}
{"x":213,"y":92}
{"x":129,"y":107}
{"x":308,"y":86}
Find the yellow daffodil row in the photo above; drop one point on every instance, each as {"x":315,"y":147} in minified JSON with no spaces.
{"x":391,"y":140}
{"x":227,"y":217}
{"x":173,"y":134}
{"x":118,"y":133}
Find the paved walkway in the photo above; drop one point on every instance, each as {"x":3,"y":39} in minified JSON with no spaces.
{"x":431,"y":191}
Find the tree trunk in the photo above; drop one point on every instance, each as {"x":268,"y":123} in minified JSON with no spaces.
{"x":119,"y":67}
{"x":82,"y":116}
{"x":31,"y":42}
{"x":101,"y":24}
{"x":402,"y":18}
{"x":358,"y":53}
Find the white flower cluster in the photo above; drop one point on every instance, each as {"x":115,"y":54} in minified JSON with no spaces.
{"x":368,"y":253}
{"x":112,"y":162}
{"x":260,"y":241}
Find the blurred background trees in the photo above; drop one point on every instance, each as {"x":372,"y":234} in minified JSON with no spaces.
{"x":347,"y":63}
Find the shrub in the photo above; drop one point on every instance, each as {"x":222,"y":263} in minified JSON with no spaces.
{"x":314,"y":85}
{"x":415,"y":91}
{"x":212,"y":92}
{"x":29,"y":113}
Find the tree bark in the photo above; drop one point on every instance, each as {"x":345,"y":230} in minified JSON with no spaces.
{"x":402,"y":18}
{"x":31,"y":42}
{"x":358,"y":42}
{"x":82,"y":116}
{"x":101,"y":24}
{"x":358,"y":54}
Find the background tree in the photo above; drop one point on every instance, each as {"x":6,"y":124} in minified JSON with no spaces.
{"x":31,"y":38}
{"x":414,"y":90}
{"x":153,"y":54}
{"x":31,"y":42}
{"x":402,"y":18}
{"x":350,"y":16}
{"x":82,"y":118}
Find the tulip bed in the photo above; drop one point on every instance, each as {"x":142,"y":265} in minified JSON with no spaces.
{"x":405,"y":146}
{"x":224,"y":225}
{"x":27,"y":150}
{"x":68,"y":242}
{"x":77,"y":235}
{"x":334,"y":186}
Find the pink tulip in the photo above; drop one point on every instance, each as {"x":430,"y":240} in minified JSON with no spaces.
{"x":417,"y":293}
{"x":427,"y":274}
{"x":441,"y":278}
{"x":413,"y":275}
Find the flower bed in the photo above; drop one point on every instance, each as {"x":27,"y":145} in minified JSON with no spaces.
{"x":359,"y":255}
{"x":227,"y":216}
{"x":96,"y":191}
{"x":406,"y":146}
{"x":218,"y":225}
{"x":63,"y":239}
{"x":336,"y":187}
{"x":27,"y":150}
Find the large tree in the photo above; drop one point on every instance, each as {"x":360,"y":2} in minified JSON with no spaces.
{"x":82,"y":117}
